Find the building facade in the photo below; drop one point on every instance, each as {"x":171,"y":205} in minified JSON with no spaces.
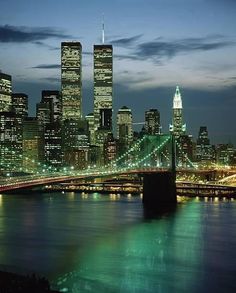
{"x":110,"y":149}
{"x":124,"y":129}
{"x":43,"y":114}
{"x":71,"y":80}
{"x":184,"y":151}
{"x":20,"y":108}
{"x":53,"y":98}
{"x":177,"y":127}
{"x":52,"y":144}
{"x":10,"y":148}
{"x":32,"y":146}
{"x":152,"y":122}
{"x":103,"y":87}
{"x":5,"y":92}
{"x":205,"y":152}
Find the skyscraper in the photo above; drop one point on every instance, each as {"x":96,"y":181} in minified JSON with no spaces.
{"x":32,"y":145}
{"x":53,"y":98}
{"x":90,"y":120}
{"x":52,"y":145}
{"x":177,"y":127}
{"x":49,"y":114}
{"x":10,"y":159}
{"x":71,"y":80}
{"x":5,"y":92}
{"x":75,"y":142}
{"x":43,"y":114}
{"x":103,"y":77}
{"x":124,"y":129}
{"x":20,"y":108}
{"x":110,"y":149}
{"x":20,"y":105}
{"x":152,"y":122}
{"x":205,"y":152}
{"x":184,"y":151}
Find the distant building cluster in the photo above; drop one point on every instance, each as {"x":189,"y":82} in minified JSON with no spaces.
{"x":60,"y":137}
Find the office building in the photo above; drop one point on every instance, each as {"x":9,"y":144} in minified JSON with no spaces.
{"x":20,"y":105}
{"x":177,"y":127}
{"x":32,"y":146}
{"x":76,"y":143}
{"x":10,"y":148}
{"x":43,"y":114}
{"x":152,"y":122}
{"x":226,"y":154}
{"x":90,"y":120}
{"x":103,"y":89}
{"x":5,"y":92}
{"x":71,"y":80}
{"x":205,"y":152}
{"x":110,"y":149}
{"x":20,"y":108}
{"x":49,"y":116}
{"x":124,"y":129}
{"x":53,"y":98}
{"x":184,"y":151}
{"x":53,"y":145}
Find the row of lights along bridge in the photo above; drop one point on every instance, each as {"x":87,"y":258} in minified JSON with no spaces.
{"x":59,"y":137}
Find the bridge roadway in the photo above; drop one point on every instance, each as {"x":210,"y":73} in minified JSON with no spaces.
{"x":13,"y":183}
{"x":30,"y":181}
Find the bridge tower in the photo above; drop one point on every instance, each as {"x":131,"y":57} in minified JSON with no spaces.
{"x":159,"y":188}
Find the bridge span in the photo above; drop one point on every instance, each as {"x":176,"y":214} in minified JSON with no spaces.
{"x":183,"y":186}
{"x":14,"y":183}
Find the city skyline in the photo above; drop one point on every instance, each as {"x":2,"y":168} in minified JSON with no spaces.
{"x":157,"y":45}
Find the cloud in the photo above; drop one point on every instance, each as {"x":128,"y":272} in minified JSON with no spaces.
{"x":126,"y":57}
{"x":159,"y":49}
{"x":44,"y":45}
{"x":52,"y":79}
{"x":125,"y":42}
{"x":22,"y":34}
{"x":117,"y":56}
{"x":47,"y":66}
{"x":215,"y":67}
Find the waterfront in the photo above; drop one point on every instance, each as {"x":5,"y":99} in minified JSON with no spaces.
{"x":98,"y":243}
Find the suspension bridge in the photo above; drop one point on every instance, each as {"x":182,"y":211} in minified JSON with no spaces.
{"x":152,"y":157}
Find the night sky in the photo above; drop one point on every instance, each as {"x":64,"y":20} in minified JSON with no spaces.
{"x":157,"y":44}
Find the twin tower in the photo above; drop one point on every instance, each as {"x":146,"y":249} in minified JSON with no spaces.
{"x":71,"y":84}
{"x":71,"y":90}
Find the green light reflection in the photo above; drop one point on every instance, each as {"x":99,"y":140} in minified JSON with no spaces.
{"x":151,"y":256}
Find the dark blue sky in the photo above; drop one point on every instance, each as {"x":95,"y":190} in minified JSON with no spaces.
{"x":157,"y":45}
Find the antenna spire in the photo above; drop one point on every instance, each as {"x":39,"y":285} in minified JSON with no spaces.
{"x":103,"y":30}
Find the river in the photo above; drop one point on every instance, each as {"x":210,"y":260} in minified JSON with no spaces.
{"x":105,"y":243}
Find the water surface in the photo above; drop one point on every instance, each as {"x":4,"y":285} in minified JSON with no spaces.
{"x":101,"y":243}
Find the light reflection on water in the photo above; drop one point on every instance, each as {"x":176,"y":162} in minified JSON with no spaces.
{"x":104,"y":243}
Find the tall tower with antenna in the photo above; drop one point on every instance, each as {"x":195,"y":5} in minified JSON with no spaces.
{"x":103,"y":90}
{"x":177,"y":127}
{"x":103,"y":84}
{"x":103,"y":30}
